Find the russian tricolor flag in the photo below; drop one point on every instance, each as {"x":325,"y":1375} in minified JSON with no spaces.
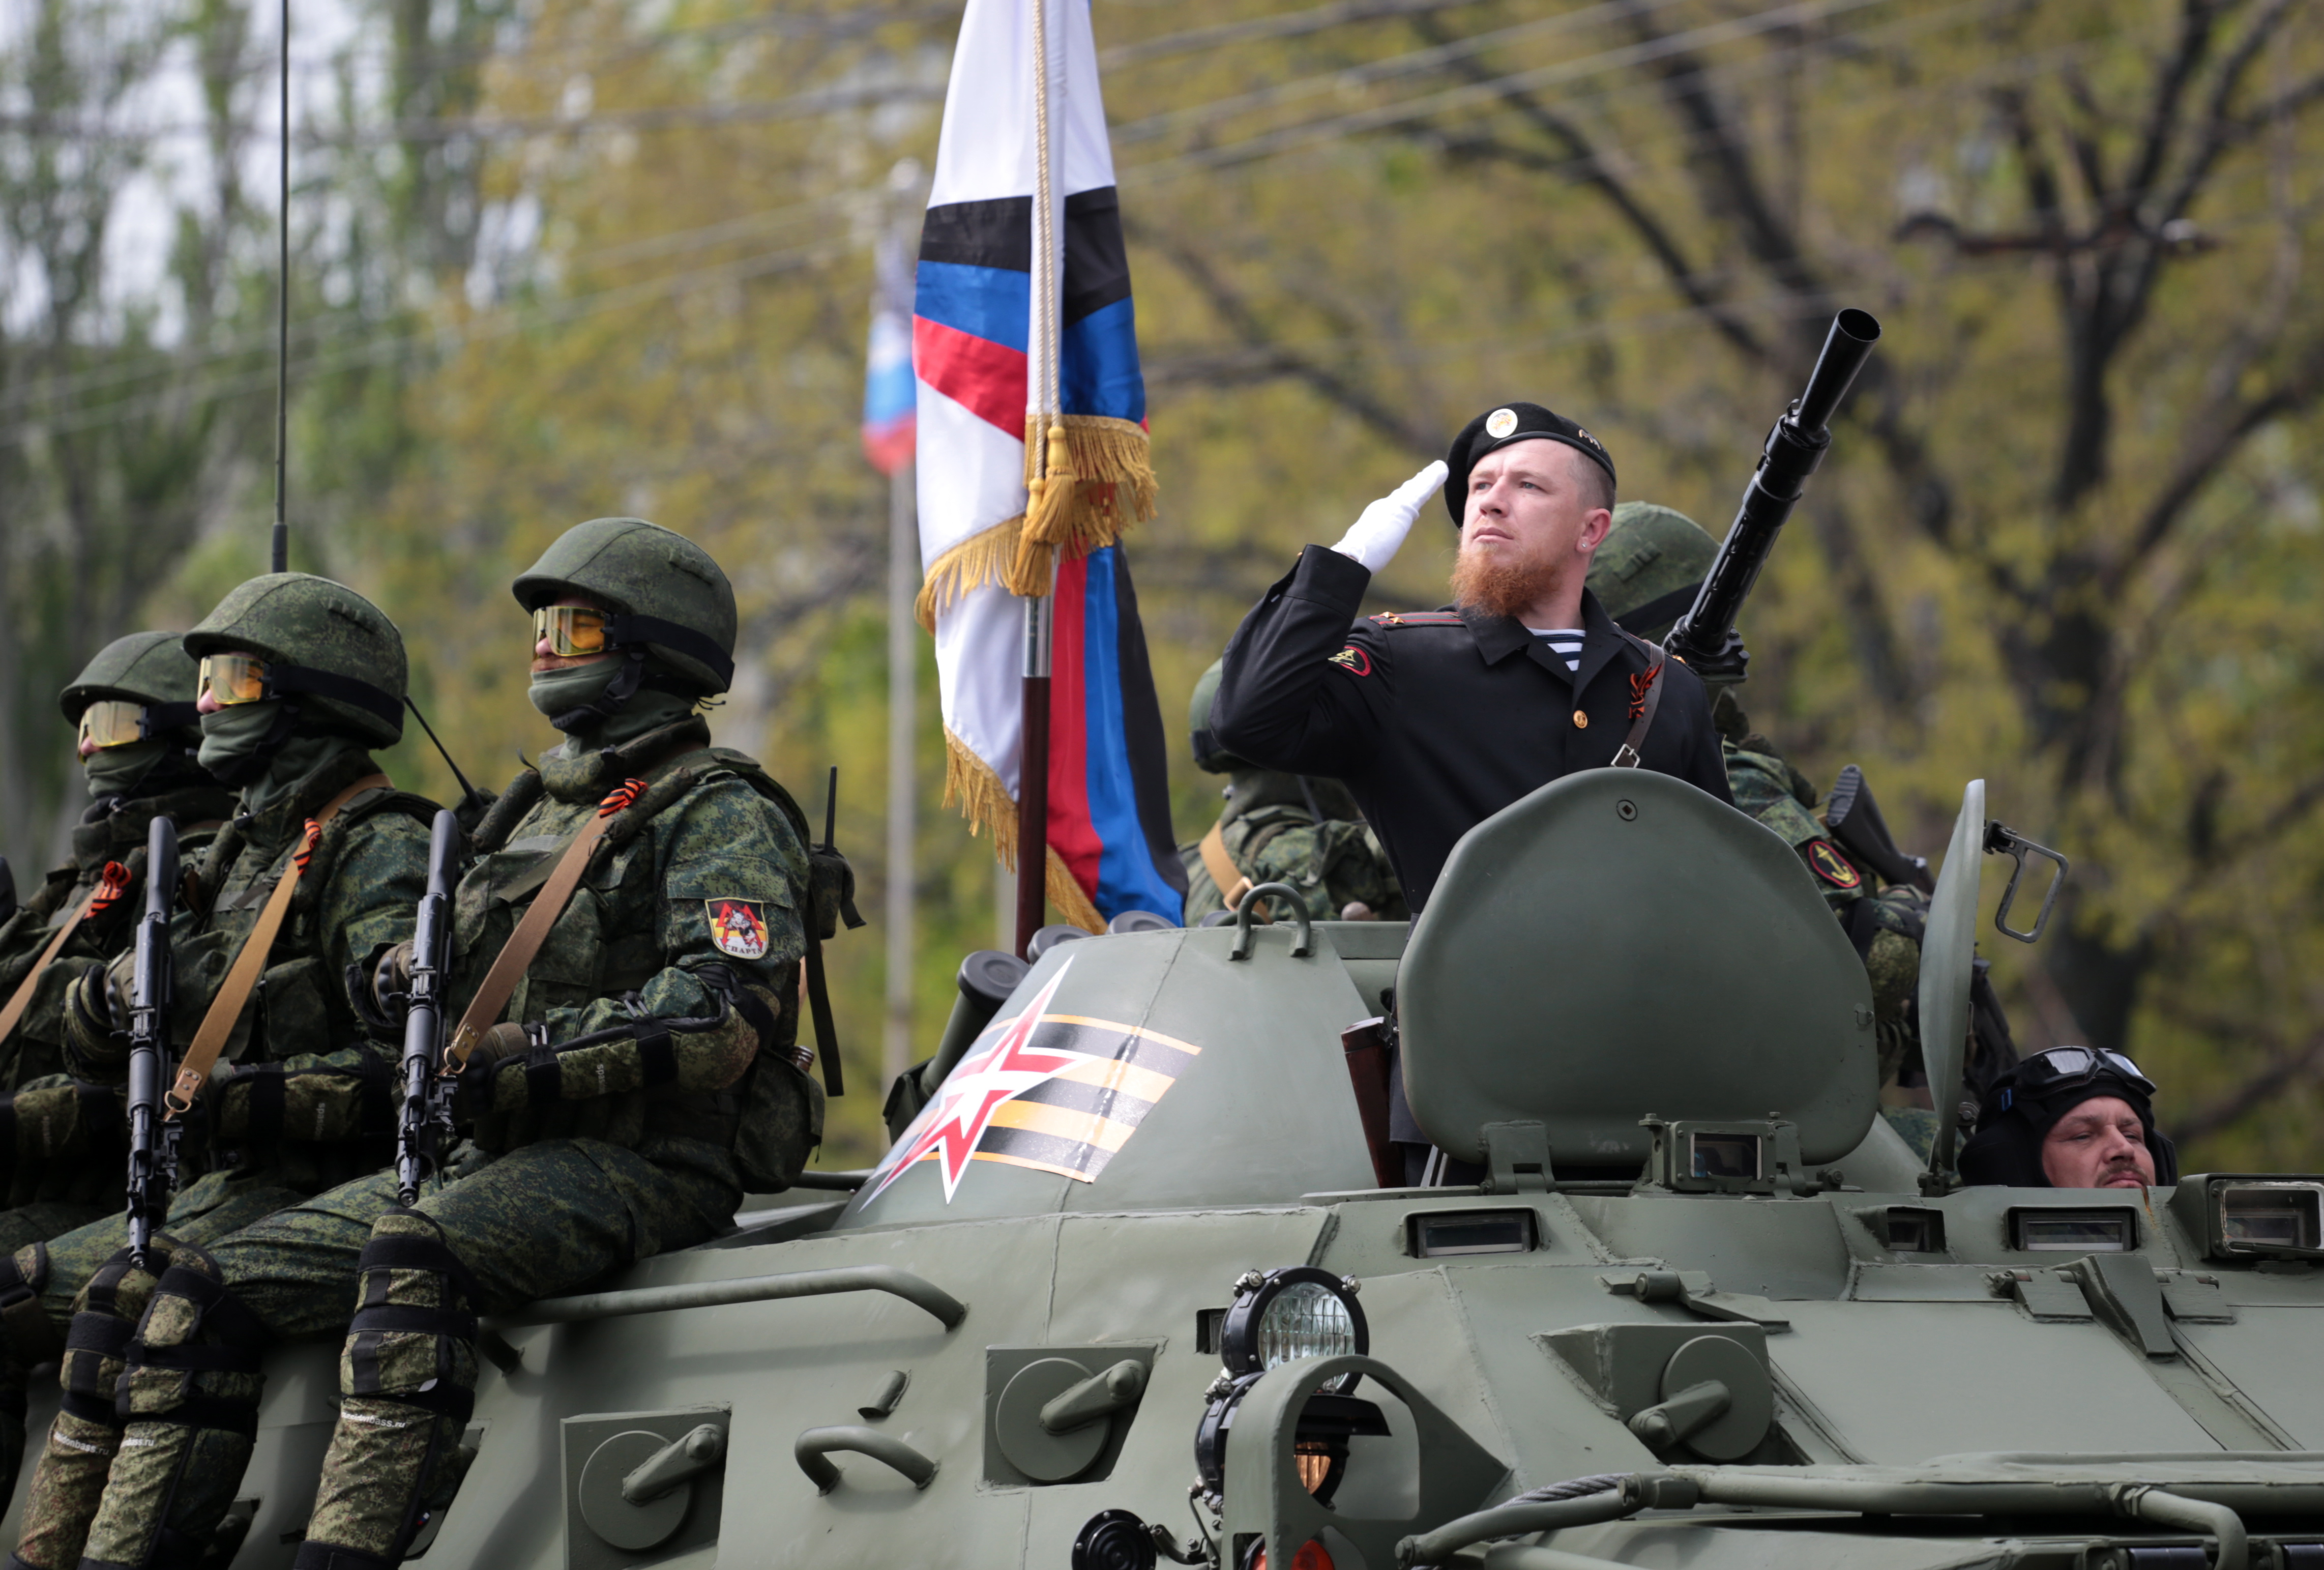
{"x":974,"y":337}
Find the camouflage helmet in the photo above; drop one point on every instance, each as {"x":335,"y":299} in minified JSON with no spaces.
{"x":668,"y":595}
{"x":325,"y":647}
{"x":1208,"y":755}
{"x":150,"y":669}
{"x":1649,"y":568}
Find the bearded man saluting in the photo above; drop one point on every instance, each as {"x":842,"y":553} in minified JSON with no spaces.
{"x":1437,"y":720}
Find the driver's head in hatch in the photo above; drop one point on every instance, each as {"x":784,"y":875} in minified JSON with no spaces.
{"x":2072,"y":1117}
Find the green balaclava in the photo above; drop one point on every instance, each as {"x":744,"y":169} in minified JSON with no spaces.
{"x":334,"y":674}
{"x":239,"y":742}
{"x":152,"y":671}
{"x":118,"y":771}
{"x":573,"y":694}
{"x":671,"y":623}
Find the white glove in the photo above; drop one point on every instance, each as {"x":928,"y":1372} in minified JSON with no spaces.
{"x":1374,"y":538}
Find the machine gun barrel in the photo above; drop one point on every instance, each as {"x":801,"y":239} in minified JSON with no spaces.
{"x":151,"y":1170}
{"x":1705,"y":637}
{"x":425,"y":1090}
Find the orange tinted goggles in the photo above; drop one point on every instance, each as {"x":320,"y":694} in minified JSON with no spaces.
{"x":233,"y":678}
{"x":113,"y":722}
{"x":570,"y":630}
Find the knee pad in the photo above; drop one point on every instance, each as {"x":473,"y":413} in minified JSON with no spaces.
{"x":195,"y":1358}
{"x":413,"y":1337}
{"x":30,"y":1334}
{"x":97,"y":1343}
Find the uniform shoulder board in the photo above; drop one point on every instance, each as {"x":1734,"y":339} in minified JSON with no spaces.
{"x":1417,"y":619}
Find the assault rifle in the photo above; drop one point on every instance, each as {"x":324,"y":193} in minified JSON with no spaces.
{"x":1705,"y":636}
{"x":427,"y":1091}
{"x":152,"y":1140}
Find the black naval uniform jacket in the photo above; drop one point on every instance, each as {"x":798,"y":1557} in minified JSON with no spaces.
{"x":1436,"y":721}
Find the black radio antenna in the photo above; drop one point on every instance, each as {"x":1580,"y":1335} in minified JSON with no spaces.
{"x":280,"y":554}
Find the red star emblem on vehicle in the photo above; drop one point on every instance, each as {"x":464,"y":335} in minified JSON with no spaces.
{"x":952,"y":1124}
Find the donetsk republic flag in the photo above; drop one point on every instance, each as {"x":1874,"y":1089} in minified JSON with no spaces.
{"x":973,"y":336}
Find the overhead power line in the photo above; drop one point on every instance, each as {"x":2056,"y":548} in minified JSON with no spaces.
{"x":323,"y":350}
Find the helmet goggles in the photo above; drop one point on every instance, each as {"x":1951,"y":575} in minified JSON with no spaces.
{"x":572,"y":630}
{"x":113,"y":722}
{"x":234,"y":679}
{"x":2067,"y":1067}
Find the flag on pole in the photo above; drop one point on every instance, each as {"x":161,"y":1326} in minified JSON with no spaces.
{"x":891,"y":394}
{"x":974,"y":334}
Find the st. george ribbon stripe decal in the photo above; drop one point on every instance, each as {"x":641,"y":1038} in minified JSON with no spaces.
{"x":1073,"y":1121}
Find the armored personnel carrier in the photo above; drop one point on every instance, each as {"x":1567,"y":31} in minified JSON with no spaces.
{"x":1130,"y":1288}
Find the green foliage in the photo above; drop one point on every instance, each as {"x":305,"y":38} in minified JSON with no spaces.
{"x":2067,"y":539}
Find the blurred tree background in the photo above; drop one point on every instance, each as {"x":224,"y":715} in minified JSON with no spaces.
{"x":552,"y":263}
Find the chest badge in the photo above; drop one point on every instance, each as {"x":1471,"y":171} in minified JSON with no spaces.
{"x":1832,"y":866}
{"x":738,"y":928}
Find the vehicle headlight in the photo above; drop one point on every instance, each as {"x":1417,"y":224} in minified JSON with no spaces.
{"x":1283,"y":1316}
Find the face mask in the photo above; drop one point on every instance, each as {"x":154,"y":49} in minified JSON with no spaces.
{"x":116,"y":770}
{"x":233,"y":742}
{"x":564,"y":692}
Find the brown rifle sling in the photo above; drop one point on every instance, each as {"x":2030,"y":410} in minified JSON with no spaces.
{"x":108,"y":889}
{"x":516,"y":956}
{"x":1232,"y":884}
{"x":250,"y":960}
{"x":1645,"y":700}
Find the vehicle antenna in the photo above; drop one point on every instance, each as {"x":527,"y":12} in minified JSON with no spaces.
{"x":830,"y":810}
{"x":467,"y":792}
{"x":280,"y":556}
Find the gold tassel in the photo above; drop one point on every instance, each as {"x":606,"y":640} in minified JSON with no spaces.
{"x":977,"y":560}
{"x":1100,"y":480}
{"x":986,"y":803}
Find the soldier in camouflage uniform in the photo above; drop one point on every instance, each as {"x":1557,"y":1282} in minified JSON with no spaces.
{"x":61,"y":1149}
{"x":1302,"y":830}
{"x":1646,"y":574}
{"x":134,"y":707}
{"x":301,"y":678}
{"x":644,"y":1068}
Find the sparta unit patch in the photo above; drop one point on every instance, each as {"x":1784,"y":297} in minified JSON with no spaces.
{"x":1832,"y":866}
{"x":1354,"y":660}
{"x":737,"y":928}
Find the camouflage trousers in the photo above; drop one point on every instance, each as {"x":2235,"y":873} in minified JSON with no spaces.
{"x":53,"y":1248}
{"x":149,"y":1483}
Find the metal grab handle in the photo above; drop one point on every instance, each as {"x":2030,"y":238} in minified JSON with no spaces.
{"x":2001,"y":840}
{"x":814,"y":1449}
{"x":901,"y":1283}
{"x":1246,"y":936}
{"x":701,"y":1450}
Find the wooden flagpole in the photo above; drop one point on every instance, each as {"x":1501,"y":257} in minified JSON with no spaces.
{"x":1033,"y":755}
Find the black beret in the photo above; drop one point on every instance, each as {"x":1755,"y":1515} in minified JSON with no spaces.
{"x":1502,"y":425}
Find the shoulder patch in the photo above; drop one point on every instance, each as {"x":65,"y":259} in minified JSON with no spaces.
{"x":1832,"y":866}
{"x":1418,"y":619}
{"x":738,"y":927}
{"x":1354,"y":660}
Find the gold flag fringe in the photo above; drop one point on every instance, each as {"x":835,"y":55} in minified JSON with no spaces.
{"x":986,"y":803}
{"x":1100,"y":480}
{"x":977,"y":560}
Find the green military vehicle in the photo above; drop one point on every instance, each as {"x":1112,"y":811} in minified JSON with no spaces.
{"x":1129,"y":1289}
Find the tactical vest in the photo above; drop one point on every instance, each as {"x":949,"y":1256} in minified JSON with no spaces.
{"x":773,"y":1116}
{"x":337,"y":1121}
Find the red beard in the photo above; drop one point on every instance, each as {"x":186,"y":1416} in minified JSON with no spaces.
{"x":1491,"y":581}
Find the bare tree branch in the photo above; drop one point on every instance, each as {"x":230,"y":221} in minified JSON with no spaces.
{"x":1246,"y":324}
